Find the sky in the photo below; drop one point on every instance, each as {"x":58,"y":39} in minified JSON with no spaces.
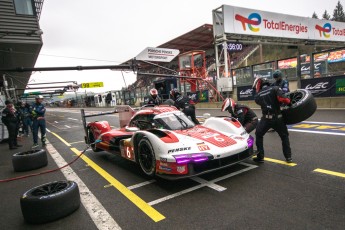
{"x":109,"y":32}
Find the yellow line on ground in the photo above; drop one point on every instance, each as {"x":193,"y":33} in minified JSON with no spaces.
{"x":338,"y":174}
{"x":279,"y":162}
{"x":140,"y":203}
{"x":61,"y":139}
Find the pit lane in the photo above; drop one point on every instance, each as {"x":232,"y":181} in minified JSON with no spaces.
{"x":272,"y":195}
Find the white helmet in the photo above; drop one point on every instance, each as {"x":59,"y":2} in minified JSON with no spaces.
{"x":39,"y":97}
{"x":229,"y":102}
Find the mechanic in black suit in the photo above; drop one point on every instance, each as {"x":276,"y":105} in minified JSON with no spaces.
{"x":154,"y":99}
{"x":10,"y":118}
{"x":183,"y":103}
{"x":242,"y":113}
{"x":270,"y":98}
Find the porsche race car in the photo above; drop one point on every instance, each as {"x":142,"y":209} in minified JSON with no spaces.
{"x":165,"y":143}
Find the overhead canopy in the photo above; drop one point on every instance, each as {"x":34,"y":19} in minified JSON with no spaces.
{"x":199,"y":38}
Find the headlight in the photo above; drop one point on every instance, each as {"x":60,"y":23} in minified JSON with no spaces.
{"x":193,"y":157}
{"x":250,"y":141}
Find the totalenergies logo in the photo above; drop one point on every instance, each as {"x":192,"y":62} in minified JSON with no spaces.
{"x":325,"y":30}
{"x":253,"y":20}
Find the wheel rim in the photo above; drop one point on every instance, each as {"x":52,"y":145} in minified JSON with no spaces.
{"x":146,"y":158}
{"x":296,"y":97}
{"x":49,"y":189}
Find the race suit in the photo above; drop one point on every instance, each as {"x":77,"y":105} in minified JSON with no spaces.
{"x":182,"y":102}
{"x":154,"y":101}
{"x":283,"y":84}
{"x":270,"y":98}
{"x":38,"y":112}
{"x":245,"y":116}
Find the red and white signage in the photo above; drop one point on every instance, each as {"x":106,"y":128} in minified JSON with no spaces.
{"x":239,"y":20}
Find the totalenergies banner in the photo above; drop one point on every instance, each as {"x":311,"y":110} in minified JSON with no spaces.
{"x":261,"y":23}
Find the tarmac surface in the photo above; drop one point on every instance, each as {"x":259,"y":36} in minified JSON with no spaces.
{"x":309,"y":194}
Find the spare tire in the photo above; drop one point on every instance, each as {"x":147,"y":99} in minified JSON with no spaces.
{"x":50,"y":201}
{"x":303,"y":106}
{"x":29,"y":160}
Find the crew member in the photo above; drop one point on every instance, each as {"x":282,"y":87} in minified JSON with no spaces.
{"x":242,"y":113}
{"x":38,"y":112}
{"x":25,"y":112}
{"x":280,"y":82}
{"x":154,"y":99}
{"x":183,"y":103}
{"x":10,"y":119}
{"x":270,"y":98}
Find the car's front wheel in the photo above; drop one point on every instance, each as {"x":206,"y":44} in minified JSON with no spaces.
{"x":146,"y":157}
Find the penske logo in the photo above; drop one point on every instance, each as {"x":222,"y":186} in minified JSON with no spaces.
{"x":324,"y":30}
{"x":253,"y":21}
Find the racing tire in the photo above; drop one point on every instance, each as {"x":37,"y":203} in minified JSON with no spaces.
{"x":92,"y":139}
{"x":50,"y":201}
{"x":146,"y":157}
{"x":303,"y":106}
{"x":29,"y":160}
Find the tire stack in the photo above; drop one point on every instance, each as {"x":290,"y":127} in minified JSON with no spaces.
{"x":29,"y":160}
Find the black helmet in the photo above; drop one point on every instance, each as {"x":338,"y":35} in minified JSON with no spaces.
{"x":174,"y":93}
{"x":7,"y":102}
{"x":277,"y":73}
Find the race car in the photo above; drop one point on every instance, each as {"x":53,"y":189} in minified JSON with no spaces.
{"x":165,"y":143}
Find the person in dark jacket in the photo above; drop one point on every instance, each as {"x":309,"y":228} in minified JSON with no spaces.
{"x":25,"y":112}
{"x":270,"y":98}
{"x":38,"y":113}
{"x":183,"y":103}
{"x":242,"y":113}
{"x":10,"y":119}
{"x":280,"y":82}
{"x":154,"y":99}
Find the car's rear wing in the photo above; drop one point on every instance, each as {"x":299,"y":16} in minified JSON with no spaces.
{"x":125,"y":113}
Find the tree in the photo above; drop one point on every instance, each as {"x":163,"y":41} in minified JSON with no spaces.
{"x":315,"y":15}
{"x":338,"y":13}
{"x":326,"y":15}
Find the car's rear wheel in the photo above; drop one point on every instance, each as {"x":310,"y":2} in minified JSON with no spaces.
{"x":146,"y":157}
{"x":303,"y":106}
{"x":92,"y":140}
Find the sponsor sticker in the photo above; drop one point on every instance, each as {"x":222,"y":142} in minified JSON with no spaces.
{"x":181,"y":169}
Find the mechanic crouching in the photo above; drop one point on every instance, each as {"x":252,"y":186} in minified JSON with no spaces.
{"x":183,"y":102}
{"x":270,"y":98}
{"x":154,"y":99}
{"x":242,"y":113}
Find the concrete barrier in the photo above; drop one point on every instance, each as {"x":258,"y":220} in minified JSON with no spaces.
{"x":322,"y":103}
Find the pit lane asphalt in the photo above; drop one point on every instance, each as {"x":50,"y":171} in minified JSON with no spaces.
{"x":271,"y":196}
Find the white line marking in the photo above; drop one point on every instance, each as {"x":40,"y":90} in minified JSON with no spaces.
{"x":209,"y":184}
{"x":76,"y":142}
{"x":67,"y":126}
{"x":56,"y":122}
{"x":321,"y":122}
{"x":97,"y":212}
{"x":317,"y":132}
{"x":141,"y":184}
{"x":73,"y":119}
{"x":249,"y":167}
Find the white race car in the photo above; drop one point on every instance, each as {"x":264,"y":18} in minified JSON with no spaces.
{"x":165,"y":143}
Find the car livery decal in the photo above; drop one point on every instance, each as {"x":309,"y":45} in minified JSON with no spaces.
{"x":209,"y":136}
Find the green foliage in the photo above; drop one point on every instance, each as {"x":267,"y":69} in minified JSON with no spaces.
{"x":338,"y":13}
{"x":326,"y":15}
{"x":315,"y":15}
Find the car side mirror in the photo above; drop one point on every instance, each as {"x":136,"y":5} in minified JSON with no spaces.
{"x":131,"y":129}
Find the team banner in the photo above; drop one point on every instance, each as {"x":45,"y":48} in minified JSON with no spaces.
{"x":339,"y":86}
{"x":319,"y":87}
{"x":239,"y":20}
{"x":245,"y":93}
{"x":336,"y":56}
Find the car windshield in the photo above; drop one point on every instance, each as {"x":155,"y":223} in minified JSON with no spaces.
{"x":173,"y":121}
